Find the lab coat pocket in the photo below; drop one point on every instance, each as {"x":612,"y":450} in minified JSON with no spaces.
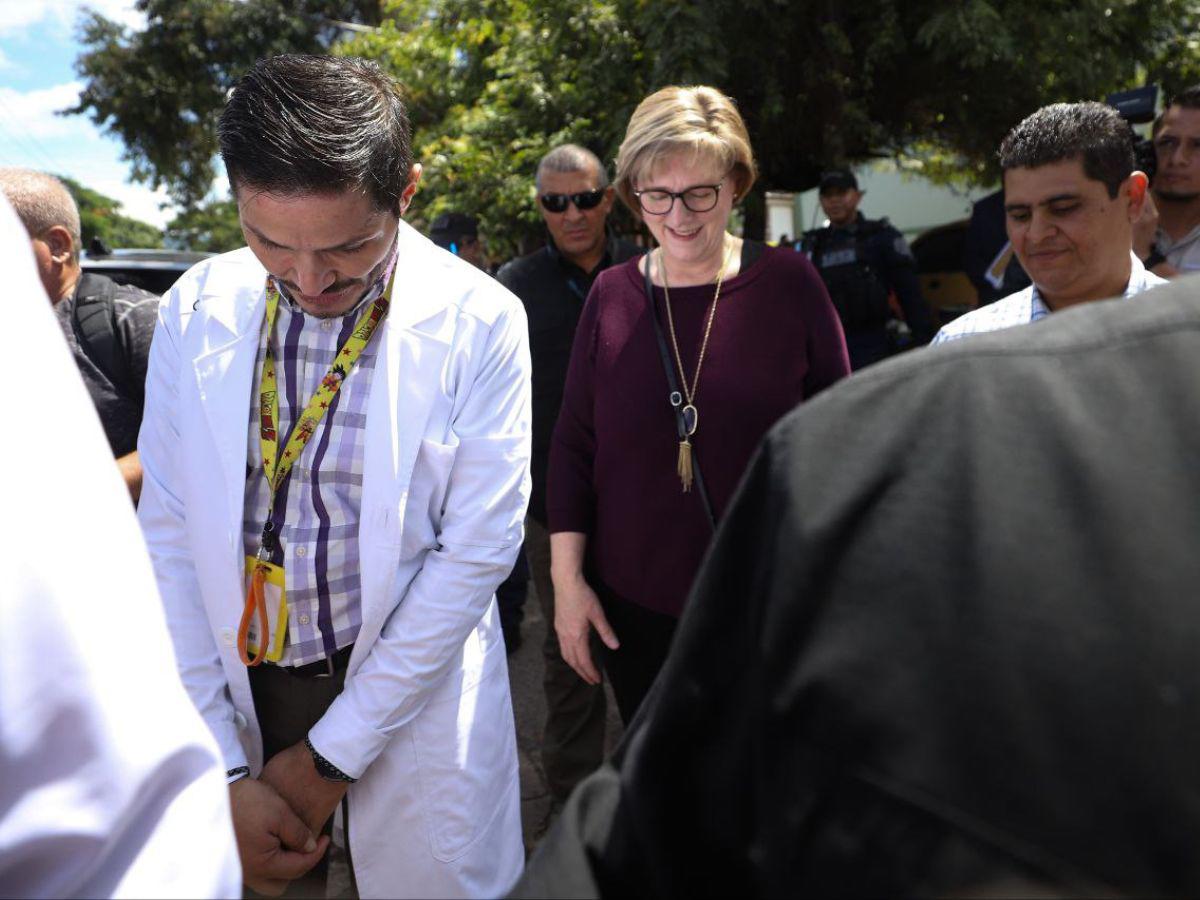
{"x":464,"y":748}
{"x":427,"y":496}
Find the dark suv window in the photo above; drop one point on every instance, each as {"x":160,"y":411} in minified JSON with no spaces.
{"x":151,"y":270}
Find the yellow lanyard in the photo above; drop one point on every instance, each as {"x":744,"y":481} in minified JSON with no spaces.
{"x":276,"y":467}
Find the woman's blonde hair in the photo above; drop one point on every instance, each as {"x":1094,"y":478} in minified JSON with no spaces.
{"x":697,"y":119}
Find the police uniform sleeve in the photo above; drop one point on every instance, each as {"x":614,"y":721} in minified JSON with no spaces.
{"x":901,"y":267}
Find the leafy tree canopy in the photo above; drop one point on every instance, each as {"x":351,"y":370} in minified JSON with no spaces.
{"x":488,"y":100}
{"x":492,"y":84}
{"x":211,"y":226}
{"x":100,"y":216}
{"x":161,"y":90}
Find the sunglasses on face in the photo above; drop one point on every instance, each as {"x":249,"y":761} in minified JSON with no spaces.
{"x":557,"y":203}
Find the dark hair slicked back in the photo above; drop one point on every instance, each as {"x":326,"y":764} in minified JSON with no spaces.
{"x":1092,"y":132}
{"x":299,"y":124}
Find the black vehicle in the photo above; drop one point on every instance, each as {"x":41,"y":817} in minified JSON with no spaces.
{"x":151,"y":270}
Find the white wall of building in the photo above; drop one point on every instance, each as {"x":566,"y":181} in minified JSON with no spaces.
{"x":912,"y":203}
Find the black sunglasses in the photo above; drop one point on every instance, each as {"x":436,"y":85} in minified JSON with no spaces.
{"x":557,"y":203}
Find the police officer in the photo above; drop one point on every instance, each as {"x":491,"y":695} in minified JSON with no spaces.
{"x":863,"y":262}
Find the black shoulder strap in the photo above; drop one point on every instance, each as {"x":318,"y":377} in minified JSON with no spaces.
{"x":675,"y":397}
{"x":95,"y":316}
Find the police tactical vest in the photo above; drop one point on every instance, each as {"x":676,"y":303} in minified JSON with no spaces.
{"x":858,"y":291}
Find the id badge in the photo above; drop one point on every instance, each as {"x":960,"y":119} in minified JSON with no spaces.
{"x":277,"y":610}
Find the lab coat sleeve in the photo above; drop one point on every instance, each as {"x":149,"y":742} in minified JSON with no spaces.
{"x":163,"y":519}
{"x":481,"y":532}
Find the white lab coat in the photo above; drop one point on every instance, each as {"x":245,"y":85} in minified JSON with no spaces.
{"x":425,"y":720}
{"x":111,"y":784}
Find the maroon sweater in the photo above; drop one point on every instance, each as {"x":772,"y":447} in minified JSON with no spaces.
{"x":775,"y":341}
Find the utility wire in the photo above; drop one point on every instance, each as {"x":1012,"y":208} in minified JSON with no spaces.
{"x":26,"y":140}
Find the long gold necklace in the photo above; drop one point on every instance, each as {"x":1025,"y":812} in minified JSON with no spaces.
{"x":691,"y":416}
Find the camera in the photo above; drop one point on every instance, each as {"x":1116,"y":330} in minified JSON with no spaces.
{"x":1138,"y":107}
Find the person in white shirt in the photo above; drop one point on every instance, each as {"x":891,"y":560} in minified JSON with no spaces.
{"x":1071,"y":199}
{"x":112,"y":784}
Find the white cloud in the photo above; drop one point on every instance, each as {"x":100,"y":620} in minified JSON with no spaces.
{"x":29,"y":116}
{"x":137,"y":200}
{"x":17,"y":15}
{"x":32,"y":135}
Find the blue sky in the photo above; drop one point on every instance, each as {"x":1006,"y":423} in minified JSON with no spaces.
{"x":37,"y":77}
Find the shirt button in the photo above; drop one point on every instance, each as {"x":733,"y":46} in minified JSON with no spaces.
{"x":326,"y":325}
{"x":301,"y":551}
{"x":304,"y":620}
{"x":227,"y":636}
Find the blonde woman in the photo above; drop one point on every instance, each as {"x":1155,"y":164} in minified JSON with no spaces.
{"x":682,"y":360}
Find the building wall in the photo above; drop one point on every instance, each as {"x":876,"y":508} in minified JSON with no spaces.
{"x":912,"y":203}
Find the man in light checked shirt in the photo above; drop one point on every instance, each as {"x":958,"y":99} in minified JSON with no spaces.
{"x":1071,"y":198}
{"x":336,"y":452}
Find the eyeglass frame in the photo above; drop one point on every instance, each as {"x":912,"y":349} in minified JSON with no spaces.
{"x":598,"y":193}
{"x":716,"y":188}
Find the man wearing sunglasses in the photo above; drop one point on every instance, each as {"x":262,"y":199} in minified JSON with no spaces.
{"x":575,"y":198}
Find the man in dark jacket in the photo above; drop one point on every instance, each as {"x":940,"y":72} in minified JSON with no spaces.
{"x":553,"y":281}
{"x":1010,"y":704}
{"x":864,"y":262}
{"x":108,"y":326}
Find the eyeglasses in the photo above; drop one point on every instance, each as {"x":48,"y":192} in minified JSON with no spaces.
{"x":698,"y":198}
{"x":557,"y":203}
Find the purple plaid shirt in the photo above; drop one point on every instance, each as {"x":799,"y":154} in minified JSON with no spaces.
{"x":317,"y":512}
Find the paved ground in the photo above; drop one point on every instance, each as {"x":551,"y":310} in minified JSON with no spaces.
{"x":529,"y":705}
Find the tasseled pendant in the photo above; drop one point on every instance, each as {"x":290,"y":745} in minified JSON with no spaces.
{"x":684,"y":465}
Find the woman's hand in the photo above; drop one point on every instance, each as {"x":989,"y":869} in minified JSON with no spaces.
{"x":576,"y":611}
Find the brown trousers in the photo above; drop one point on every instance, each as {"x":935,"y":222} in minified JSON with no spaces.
{"x":287,"y":707}
{"x":573,"y":741}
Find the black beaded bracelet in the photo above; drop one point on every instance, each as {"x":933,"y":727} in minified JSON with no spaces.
{"x":234,"y":774}
{"x":325,"y":768}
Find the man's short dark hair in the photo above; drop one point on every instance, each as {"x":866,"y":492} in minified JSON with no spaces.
{"x":1092,"y":132}
{"x":299,"y":124}
{"x":1188,"y":98}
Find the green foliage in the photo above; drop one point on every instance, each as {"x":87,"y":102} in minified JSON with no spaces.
{"x":493,"y":84}
{"x":212,"y":226}
{"x":820,"y":82}
{"x":487,"y":101}
{"x":100,"y":216}
{"x":161,"y":90}
{"x":1174,"y":63}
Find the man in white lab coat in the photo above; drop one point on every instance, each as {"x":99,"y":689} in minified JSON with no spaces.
{"x":112,"y":785}
{"x":335,"y":446}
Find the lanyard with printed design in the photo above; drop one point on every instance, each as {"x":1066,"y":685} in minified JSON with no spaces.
{"x":277,"y":467}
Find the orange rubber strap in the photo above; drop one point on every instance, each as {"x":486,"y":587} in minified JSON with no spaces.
{"x":255,"y":601}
